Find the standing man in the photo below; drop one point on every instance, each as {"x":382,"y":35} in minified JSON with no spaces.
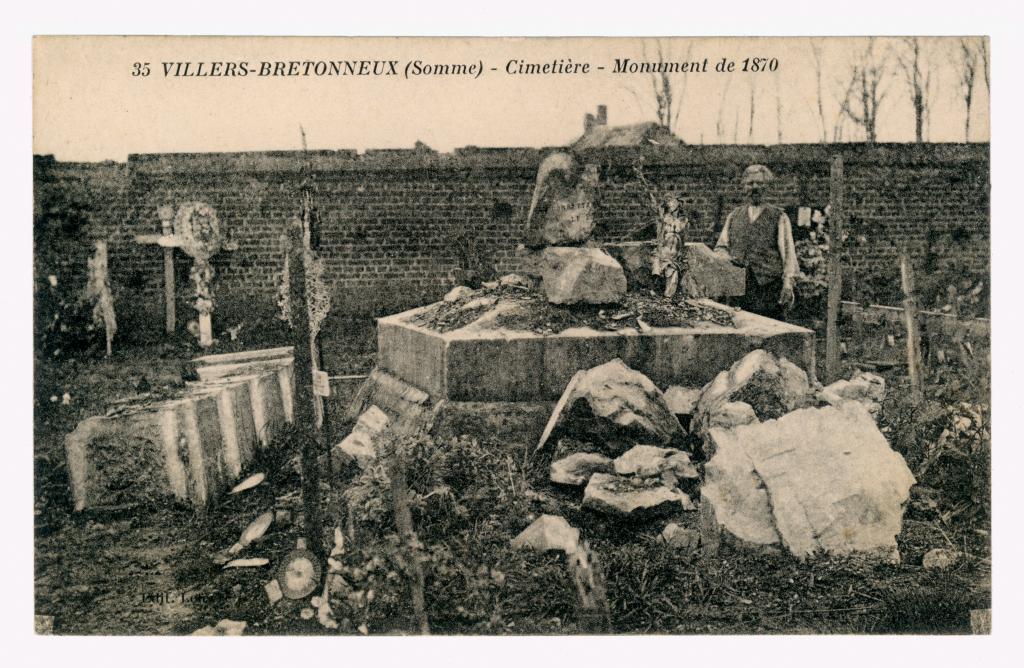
{"x":759,"y":236}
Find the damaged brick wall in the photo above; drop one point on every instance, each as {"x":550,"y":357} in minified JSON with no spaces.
{"x":399,"y":226}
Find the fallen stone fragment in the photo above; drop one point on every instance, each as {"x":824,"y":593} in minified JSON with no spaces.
{"x":771,"y":385}
{"x":577,"y":468}
{"x":630,"y":496}
{"x":515,"y":280}
{"x":648,"y":460}
{"x":613,"y":403}
{"x":458,"y":292}
{"x":273,"y":589}
{"x":939,"y":559}
{"x":306,"y":613}
{"x":339,"y":542}
{"x":548,"y":532}
{"x":248,"y":483}
{"x":682,"y":400}
{"x":582,"y":276}
{"x":727,"y":416}
{"x":865,"y":388}
{"x":252,"y":562}
{"x":815,"y":480}
{"x":678,"y":538}
{"x":225,"y":627}
{"x":253,"y":532}
{"x":359,"y":445}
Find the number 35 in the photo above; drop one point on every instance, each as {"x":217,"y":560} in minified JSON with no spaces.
{"x":140,"y":70}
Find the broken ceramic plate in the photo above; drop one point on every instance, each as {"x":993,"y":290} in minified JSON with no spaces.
{"x":248,"y":483}
{"x":253,"y":532}
{"x":252,"y":562}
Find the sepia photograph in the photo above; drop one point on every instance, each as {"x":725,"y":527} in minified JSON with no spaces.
{"x":517,"y":336}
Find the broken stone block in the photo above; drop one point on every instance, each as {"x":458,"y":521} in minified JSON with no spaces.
{"x":648,"y":460}
{"x":612,"y":403}
{"x":678,"y":538}
{"x":682,"y":400}
{"x":727,"y":416}
{"x":582,"y":276}
{"x":548,"y":532}
{"x":359,"y":445}
{"x":632,"y":496}
{"x":711,"y":275}
{"x":865,"y":388}
{"x":815,"y":480}
{"x":772,"y":386}
{"x":191,"y":448}
{"x":515,"y":280}
{"x":577,"y":468}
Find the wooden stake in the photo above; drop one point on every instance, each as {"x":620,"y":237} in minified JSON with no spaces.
{"x":910,"y":320}
{"x":835,"y":271}
{"x":305,"y":417}
{"x":406,"y":533}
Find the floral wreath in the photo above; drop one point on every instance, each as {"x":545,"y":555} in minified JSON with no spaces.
{"x":197,"y":227}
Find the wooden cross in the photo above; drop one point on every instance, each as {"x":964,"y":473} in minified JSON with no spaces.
{"x":168,"y":241}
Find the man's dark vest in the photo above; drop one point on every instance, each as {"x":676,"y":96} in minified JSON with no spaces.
{"x":756,"y":244}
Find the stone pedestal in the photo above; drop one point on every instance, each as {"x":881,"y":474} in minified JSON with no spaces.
{"x":482,"y":363}
{"x":189,"y":449}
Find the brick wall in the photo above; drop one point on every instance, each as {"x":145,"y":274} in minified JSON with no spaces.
{"x":397,"y":225}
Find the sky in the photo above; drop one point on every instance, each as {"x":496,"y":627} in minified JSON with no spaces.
{"x":87,"y":106}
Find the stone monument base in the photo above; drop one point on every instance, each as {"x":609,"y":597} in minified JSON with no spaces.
{"x":503,"y":382}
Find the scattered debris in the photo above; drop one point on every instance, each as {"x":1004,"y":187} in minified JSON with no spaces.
{"x":252,"y":562}
{"x":577,"y":468}
{"x":548,"y":532}
{"x":273,"y":589}
{"x":773,"y":386}
{"x":647,"y":460}
{"x":307,"y":613}
{"x":614,"y":405}
{"x":253,"y":532}
{"x":865,"y":388}
{"x":225,"y":627}
{"x":633,"y":496}
{"x":359,"y":445}
{"x":250,"y":482}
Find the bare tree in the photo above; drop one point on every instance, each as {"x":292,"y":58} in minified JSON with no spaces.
{"x":983,"y":54}
{"x":919,"y":82}
{"x":720,"y":121}
{"x":816,"y":52}
{"x":753,"y":110}
{"x":778,"y":109}
{"x":669,"y":93}
{"x":968,"y":74}
{"x":867,"y":89}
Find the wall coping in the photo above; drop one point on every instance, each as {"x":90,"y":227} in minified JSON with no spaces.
{"x":473,"y":158}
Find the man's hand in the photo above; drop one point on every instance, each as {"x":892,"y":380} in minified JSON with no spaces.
{"x":786,"y":297}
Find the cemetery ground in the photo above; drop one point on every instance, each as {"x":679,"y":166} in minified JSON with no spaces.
{"x":148,"y":570}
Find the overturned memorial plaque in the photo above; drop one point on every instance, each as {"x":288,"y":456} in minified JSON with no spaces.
{"x":563,"y":368}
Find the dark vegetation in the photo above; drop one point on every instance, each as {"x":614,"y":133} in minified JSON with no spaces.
{"x":149,"y":569}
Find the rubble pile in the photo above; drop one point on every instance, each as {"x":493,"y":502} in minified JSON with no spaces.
{"x":791,"y":468}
